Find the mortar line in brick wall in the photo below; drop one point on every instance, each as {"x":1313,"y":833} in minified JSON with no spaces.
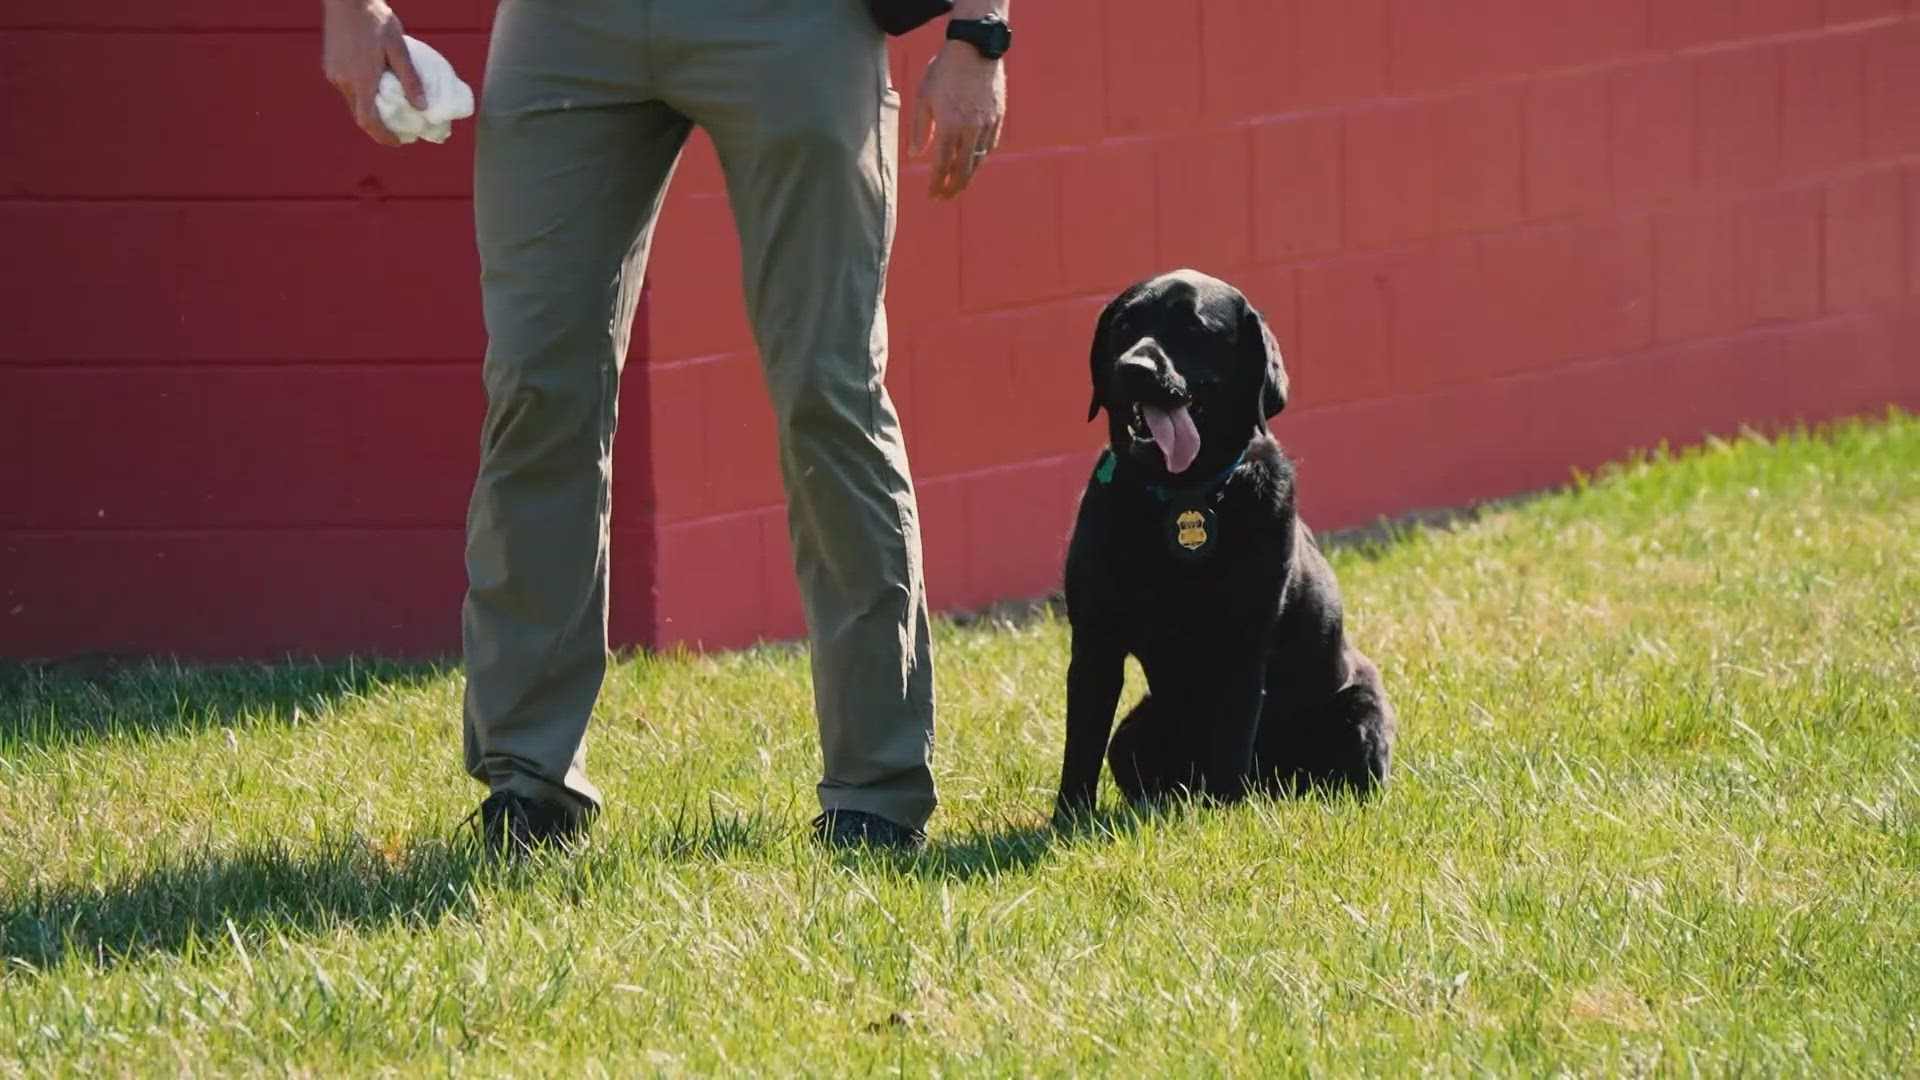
{"x":1200,"y":35}
{"x":1298,"y":289}
{"x":1780,"y":108}
{"x":678,"y":362}
{"x":177,"y":30}
{"x":1389,"y":20}
{"x":653,"y":520}
{"x":1825,"y":194}
{"x":1907,"y":211}
{"x":316,"y":365}
{"x":1572,"y":220}
{"x":189,"y":532}
{"x":1751,"y":333}
{"x":1099,"y":33}
{"x":1694,"y":153}
{"x":1250,"y":201}
{"x":1522,"y":159}
{"x":1396,"y":98}
{"x":1059,"y":231}
{"x":908,"y":330}
{"x":1787,"y":37}
{"x":1589,"y":219}
{"x":1654,"y":264}
{"x":1153,"y":210}
{"x":1609,"y":100}
{"x":1033,"y":152}
{"x":1047,"y":462}
{"x":140,"y":200}
{"x":1423,"y":97}
{"x":1343,"y":188}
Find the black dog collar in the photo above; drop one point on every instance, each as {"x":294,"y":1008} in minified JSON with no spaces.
{"x":1192,"y":528}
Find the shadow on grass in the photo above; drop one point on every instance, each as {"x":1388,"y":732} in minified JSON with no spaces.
{"x":965,"y":854}
{"x":222,"y":901}
{"x":242,"y":900}
{"x":100,"y":699}
{"x":712,"y":836}
{"x":1014,"y":848}
{"x":1004,"y":849}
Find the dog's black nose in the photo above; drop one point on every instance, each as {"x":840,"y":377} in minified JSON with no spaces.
{"x":1145,"y":351}
{"x":1146,"y":372}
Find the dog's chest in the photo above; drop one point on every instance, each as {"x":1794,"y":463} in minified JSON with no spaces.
{"x":1171,"y":598}
{"x":1179,"y":574}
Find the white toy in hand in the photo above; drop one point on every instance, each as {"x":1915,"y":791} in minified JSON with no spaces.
{"x":448,"y":98}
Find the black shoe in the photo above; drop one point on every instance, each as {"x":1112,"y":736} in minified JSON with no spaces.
{"x":515,"y":824}
{"x":857,"y":828}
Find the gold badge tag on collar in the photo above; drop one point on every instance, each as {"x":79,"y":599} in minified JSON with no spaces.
{"x":1192,"y":530}
{"x":1192,"y":526}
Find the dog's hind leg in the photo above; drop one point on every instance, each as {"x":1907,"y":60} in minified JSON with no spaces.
{"x":1149,"y":758}
{"x":1343,"y":742}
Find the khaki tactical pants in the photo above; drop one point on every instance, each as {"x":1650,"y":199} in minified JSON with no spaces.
{"x":584,"y":110}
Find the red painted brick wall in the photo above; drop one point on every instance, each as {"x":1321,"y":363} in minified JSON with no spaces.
{"x":238,"y":367}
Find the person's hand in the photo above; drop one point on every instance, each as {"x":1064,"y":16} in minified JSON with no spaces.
{"x":962,"y":102}
{"x":362,"y":40}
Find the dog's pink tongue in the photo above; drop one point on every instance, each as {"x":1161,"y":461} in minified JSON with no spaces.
{"x":1174,"y":433}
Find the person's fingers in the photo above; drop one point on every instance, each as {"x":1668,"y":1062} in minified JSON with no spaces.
{"x":949,"y":150}
{"x":963,"y":176}
{"x":983,"y":146}
{"x":989,"y":141}
{"x":378,"y":132}
{"x":975,"y":158}
{"x":922,"y":126}
{"x":367,"y":115}
{"x":401,"y":64}
{"x":957,"y":167}
{"x":971,"y":143}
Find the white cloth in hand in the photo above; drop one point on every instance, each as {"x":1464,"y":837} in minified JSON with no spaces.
{"x":448,"y":99}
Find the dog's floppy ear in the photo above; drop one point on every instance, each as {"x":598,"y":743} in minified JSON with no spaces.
{"x":1257,"y":338}
{"x":1100,"y":356}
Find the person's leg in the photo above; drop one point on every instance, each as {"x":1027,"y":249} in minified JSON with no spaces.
{"x":796,"y":96}
{"x":571,"y":161}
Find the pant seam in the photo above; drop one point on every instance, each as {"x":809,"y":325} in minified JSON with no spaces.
{"x":899,"y":486}
{"x":883,"y":256}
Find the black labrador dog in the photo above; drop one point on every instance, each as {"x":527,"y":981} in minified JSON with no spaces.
{"x":1188,"y":554}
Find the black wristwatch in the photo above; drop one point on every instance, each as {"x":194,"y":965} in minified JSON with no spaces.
{"x":990,"y":34}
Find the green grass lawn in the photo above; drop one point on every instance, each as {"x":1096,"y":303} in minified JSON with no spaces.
{"x":1656,"y":809}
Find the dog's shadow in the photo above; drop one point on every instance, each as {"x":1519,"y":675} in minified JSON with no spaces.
{"x":1014,"y":848}
{"x":992,"y":850}
{"x":1007,"y":848}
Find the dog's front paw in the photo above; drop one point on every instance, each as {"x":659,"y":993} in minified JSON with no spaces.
{"x":1072,"y":816}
